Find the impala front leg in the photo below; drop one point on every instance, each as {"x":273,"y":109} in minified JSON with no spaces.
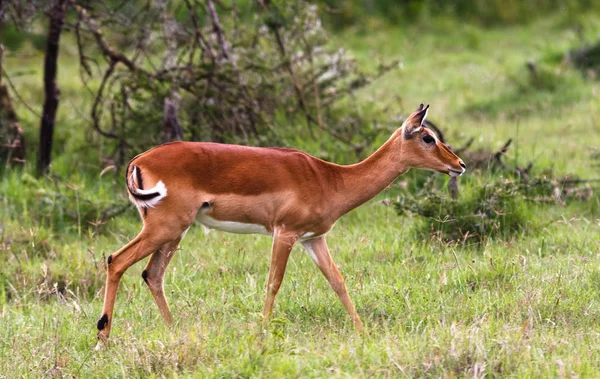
{"x":317,"y":248}
{"x":282,"y":246}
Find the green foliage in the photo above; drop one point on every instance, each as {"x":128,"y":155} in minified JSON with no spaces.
{"x":522,"y":308}
{"x":489,"y":208}
{"x":587,"y":59}
{"x":484,"y":13}
{"x":280,"y":61}
{"x":14,"y":39}
{"x":58,"y":203}
{"x":493,"y":210}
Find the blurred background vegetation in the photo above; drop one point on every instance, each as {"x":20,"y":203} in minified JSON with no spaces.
{"x":513,"y":87}
{"x":131,"y":75}
{"x":492,"y":13}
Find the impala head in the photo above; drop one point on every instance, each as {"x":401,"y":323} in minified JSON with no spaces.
{"x":422,"y":149}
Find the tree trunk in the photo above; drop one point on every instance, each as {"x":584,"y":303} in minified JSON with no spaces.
{"x":51,"y":91}
{"x":171,"y":126}
{"x":12,"y":143}
{"x":453,"y":184}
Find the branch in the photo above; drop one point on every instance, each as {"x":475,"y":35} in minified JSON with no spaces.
{"x":14,"y":89}
{"x":217,"y":29}
{"x":95,"y":115}
{"x":198,"y":33}
{"x":107,"y":50}
{"x":465,"y":147}
{"x":498,"y":155}
{"x":453,"y":184}
{"x":578,"y":181}
{"x":289,"y":65}
{"x":82,"y":58}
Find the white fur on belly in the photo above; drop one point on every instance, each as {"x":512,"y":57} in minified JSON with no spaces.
{"x":311,"y":251}
{"x":309,"y":236}
{"x":231,"y":226}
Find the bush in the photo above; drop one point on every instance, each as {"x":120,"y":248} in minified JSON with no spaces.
{"x":498,"y":209}
{"x":494,"y":210}
{"x":229,"y":80}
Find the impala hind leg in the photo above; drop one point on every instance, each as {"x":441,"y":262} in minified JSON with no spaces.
{"x":154,"y":274}
{"x":140,"y":247}
{"x":282,"y":247}
{"x":317,"y":248}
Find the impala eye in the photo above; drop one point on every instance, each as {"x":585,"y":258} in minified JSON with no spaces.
{"x":428,"y":139}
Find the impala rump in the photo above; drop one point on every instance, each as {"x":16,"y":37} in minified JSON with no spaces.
{"x":141,"y":197}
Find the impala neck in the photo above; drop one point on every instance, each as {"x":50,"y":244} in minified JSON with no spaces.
{"x":364,"y":180}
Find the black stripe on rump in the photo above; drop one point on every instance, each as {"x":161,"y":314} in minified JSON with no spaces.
{"x":140,"y":182}
{"x":148,"y":196}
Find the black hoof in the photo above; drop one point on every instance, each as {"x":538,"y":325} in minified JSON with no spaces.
{"x":102,"y":322}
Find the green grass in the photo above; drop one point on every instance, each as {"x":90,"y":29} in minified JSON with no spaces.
{"x":506,"y":308}
{"x":528,"y":307}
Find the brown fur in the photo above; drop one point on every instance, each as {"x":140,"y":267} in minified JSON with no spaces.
{"x":288,"y":192}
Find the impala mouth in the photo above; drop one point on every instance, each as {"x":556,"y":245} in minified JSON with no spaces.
{"x":455,"y":173}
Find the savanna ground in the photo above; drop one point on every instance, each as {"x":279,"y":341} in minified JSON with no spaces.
{"x":527,"y":306}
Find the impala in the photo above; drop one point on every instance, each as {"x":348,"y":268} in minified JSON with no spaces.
{"x":284,"y":193}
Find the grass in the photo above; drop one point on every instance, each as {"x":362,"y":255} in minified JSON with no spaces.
{"x":527,"y":307}
{"x":506,"y":309}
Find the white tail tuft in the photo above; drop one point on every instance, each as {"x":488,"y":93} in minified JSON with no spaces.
{"x":144,"y":198}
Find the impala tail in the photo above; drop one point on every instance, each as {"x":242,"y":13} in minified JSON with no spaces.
{"x":144,"y":198}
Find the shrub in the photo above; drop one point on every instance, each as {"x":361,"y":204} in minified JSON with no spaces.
{"x":498,"y":209}
{"x":493,"y":210}
{"x":229,"y":80}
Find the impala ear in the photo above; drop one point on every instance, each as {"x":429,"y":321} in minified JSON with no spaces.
{"x":415,"y":121}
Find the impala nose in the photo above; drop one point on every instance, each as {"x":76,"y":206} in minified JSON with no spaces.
{"x":463,"y":165}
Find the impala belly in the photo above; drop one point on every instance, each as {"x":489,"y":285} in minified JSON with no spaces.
{"x":233,"y":213}
{"x":231,"y":226}
{"x":311,"y":252}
